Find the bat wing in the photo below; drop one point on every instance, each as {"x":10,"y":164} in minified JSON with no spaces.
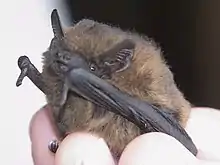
{"x":141,"y":113}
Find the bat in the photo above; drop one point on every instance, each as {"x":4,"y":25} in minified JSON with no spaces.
{"x":113,"y":83}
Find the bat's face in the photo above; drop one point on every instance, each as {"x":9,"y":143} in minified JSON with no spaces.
{"x":100,"y":50}
{"x":103,"y":60}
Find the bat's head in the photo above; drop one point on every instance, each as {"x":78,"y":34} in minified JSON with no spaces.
{"x":100,"y":53}
{"x":124,"y":59}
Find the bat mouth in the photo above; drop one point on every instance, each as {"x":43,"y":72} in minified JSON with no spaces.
{"x":61,"y":62}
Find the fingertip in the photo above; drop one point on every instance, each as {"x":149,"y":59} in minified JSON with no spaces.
{"x":83,"y":148}
{"x":156,"y":148}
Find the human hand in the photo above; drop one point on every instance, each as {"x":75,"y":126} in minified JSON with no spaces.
{"x":152,"y":148}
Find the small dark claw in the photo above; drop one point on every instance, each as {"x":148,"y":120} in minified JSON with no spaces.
{"x":53,"y":146}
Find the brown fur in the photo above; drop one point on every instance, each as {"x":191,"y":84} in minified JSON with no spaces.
{"x":148,"y":78}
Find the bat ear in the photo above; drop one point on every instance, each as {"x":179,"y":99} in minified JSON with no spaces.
{"x":119,"y":57}
{"x":56,"y":24}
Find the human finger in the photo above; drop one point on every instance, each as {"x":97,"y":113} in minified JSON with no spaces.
{"x":83,"y":149}
{"x":156,"y":149}
{"x":41,"y":133}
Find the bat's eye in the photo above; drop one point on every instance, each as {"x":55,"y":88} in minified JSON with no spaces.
{"x":93,"y":67}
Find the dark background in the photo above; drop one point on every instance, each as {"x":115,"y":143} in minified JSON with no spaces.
{"x":188,"y":32}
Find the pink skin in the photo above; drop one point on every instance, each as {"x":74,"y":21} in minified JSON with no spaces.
{"x":152,"y":148}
